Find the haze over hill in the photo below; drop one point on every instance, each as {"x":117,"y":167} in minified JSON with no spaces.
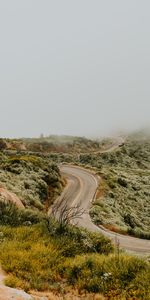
{"x":74,"y":67}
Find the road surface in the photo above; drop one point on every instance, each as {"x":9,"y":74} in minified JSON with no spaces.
{"x":80,"y":190}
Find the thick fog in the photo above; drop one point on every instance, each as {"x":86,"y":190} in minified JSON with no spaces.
{"x":76,"y":67}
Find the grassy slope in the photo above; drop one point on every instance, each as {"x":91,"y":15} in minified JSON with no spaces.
{"x":53,"y":260}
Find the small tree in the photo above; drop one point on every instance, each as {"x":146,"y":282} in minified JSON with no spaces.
{"x":66,"y":215}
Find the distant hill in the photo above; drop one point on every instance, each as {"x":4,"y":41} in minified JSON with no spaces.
{"x":54,"y":143}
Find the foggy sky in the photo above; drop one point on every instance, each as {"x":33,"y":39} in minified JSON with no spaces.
{"x":77,"y":67}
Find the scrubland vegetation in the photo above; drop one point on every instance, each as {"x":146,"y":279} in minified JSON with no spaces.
{"x":124,"y":201}
{"x":56,"y":144}
{"x":45,"y":256}
{"x":40,"y":254}
{"x":64,"y":144}
{"x":35,"y":180}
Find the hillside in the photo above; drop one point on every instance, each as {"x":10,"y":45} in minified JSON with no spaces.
{"x":55,"y":144}
{"x":56,"y":260}
{"x":123,"y":201}
{"x":35,"y":180}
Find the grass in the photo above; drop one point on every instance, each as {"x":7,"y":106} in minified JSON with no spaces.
{"x":11,"y":215}
{"x":33,"y":265}
{"x":44,"y":261}
{"x":38,"y":255}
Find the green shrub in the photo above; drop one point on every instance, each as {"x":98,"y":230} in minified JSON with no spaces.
{"x":122,"y":182}
{"x":106,"y":275}
{"x":11,"y":215}
{"x":73,"y":241}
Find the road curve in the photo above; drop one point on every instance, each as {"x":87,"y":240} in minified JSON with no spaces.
{"x":80,"y":190}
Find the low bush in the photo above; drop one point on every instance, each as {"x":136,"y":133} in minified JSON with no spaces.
{"x":109,"y":276}
{"x":11,"y":215}
{"x":74,"y":241}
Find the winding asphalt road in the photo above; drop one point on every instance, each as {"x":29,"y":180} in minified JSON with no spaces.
{"x":80,"y":190}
